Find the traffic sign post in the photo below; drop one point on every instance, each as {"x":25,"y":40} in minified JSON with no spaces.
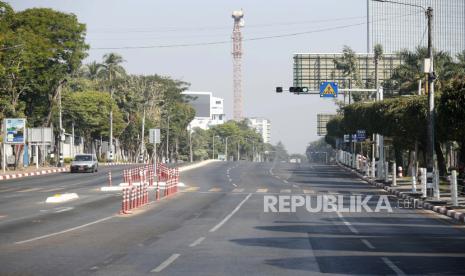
{"x":361,"y":135}
{"x":329,"y":89}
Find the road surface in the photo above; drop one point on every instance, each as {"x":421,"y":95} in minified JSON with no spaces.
{"x":217,"y":225}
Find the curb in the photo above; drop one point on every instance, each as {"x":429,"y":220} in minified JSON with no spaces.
{"x":42,"y":172}
{"x":458,"y":216}
{"x":116,"y":164}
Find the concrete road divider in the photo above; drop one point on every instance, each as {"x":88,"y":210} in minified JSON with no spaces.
{"x":58,"y":198}
{"x":111,"y":188}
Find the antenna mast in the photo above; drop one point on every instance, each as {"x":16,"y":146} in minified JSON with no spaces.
{"x":238,"y":17}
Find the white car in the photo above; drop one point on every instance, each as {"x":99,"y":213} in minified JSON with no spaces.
{"x":84,"y":163}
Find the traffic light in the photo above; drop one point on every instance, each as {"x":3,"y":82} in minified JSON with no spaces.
{"x":298,"y":90}
{"x":279,"y":89}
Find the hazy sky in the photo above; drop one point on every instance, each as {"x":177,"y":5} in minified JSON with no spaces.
{"x":266,"y":63}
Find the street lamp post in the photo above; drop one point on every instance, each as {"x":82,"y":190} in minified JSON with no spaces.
{"x":226,"y":148}
{"x":213,"y":142}
{"x":191,"y":155}
{"x":432,"y":161}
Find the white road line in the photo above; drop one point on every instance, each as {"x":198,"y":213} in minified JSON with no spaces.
{"x":392,"y":266}
{"x":197,"y":242}
{"x":216,"y":227}
{"x":64,"y":209}
{"x":368,"y":244}
{"x":52,"y":190}
{"x":352,"y":229}
{"x":64,"y":231}
{"x":285,"y":181}
{"x":166,"y":263}
{"x":234,"y":184}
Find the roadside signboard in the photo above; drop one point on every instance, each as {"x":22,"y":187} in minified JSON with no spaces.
{"x":15,"y":131}
{"x":154,"y":135}
{"x":347,"y":138}
{"x":40,"y":135}
{"x":361,"y":135}
{"x":322,"y":120}
{"x":328,"y":89}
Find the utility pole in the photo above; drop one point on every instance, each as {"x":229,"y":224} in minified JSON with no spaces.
{"x":432,"y":161}
{"x":190,"y":145}
{"x":72,"y":140}
{"x":168,"y":140}
{"x":368,"y":26}
{"x":238,"y":151}
{"x":226,"y":149}
{"x":142,"y":145}
{"x":213,"y":144}
{"x":111,"y":117}
{"x":60,"y":124}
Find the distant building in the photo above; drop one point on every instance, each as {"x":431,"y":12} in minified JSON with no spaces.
{"x":262,"y":126}
{"x":397,"y":27}
{"x":209,"y":110}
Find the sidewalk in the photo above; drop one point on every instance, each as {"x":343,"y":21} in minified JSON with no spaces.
{"x":403,"y":190}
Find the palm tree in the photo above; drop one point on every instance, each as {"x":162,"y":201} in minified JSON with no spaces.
{"x":92,"y":70}
{"x":407,"y":75}
{"x":348,"y":64}
{"x":378,"y":54}
{"x":112,"y":69}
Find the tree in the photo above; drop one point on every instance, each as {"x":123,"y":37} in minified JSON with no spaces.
{"x":410,"y":72}
{"x":348,"y":63}
{"x":52,"y":48}
{"x":89,"y":112}
{"x":318,"y":151}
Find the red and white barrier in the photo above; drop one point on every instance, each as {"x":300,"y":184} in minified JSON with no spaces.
{"x":138,"y":180}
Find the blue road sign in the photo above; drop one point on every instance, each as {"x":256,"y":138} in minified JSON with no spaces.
{"x":361,"y":135}
{"x":328,"y":89}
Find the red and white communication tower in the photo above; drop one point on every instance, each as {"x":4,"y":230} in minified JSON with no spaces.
{"x":238,"y":17}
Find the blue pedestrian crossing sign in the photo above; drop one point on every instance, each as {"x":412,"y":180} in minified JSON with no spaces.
{"x":328,"y":89}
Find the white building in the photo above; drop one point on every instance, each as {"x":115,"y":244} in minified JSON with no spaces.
{"x":262,"y":126}
{"x":209,"y":110}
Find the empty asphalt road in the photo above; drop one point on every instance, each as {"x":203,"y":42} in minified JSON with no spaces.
{"x":216,"y":225}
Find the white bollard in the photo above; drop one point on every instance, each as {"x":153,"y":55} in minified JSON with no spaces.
{"x":394,"y":176}
{"x":386,"y":171}
{"x":367,"y":168}
{"x":424,"y":188}
{"x":437,"y":192}
{"x":453,"y":188}
{"x":414,"y":180}
{"x":373,"y":169}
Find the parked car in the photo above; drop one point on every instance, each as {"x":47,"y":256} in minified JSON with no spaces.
{"x":84,"y":163}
